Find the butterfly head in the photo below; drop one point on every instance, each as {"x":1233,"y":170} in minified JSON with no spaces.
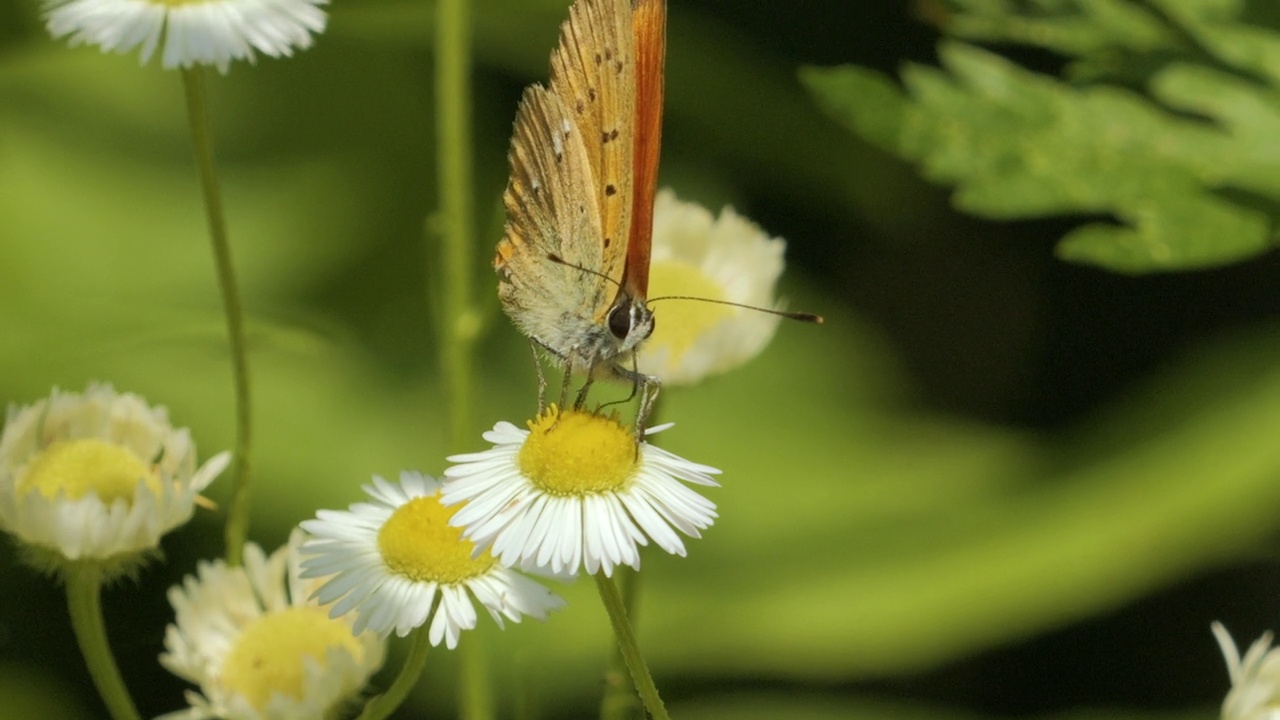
{"x":630,"y":322}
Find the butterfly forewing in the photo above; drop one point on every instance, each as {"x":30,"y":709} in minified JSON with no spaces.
{"x":593,"y":74}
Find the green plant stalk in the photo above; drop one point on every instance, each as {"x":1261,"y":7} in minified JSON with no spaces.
{"x":381,"y":706}
{"x":84,"y":602}
{"x":617,"y":611}
{"x":620,"y":701}
{"x":476,"y":696}
{"x":454,"y":177}
{"x":237,"y":529}
{"x":459,"y":320}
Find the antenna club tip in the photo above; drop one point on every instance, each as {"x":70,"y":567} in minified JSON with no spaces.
{"x":806,"y":317}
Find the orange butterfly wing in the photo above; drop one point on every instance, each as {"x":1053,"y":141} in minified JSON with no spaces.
{"x":649,"y":25}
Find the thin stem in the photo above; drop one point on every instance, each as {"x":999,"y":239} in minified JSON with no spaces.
{"x":198,"y":116}
{"x":459,"y":319}
{"x":476,"y":700}
{"x":453,"y":152}
{"x":620,"y":701}
{"x":630,"y":648}
{"x":381,"y":706}
{"x":84,"y":602}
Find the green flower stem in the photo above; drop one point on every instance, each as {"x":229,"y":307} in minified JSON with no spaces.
{"x":476,"y":698}
{"x":84,"y":602}
{"x":459,"y":319}
{"x":381,"y":706}
{"x":613,"y":604}
{"x":461,"y":325}
{"x":198,"y":116}
{"x":620,"y":701}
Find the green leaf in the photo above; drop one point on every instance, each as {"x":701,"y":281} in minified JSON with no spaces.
{"x":1180,"y":173}
{"x":1016,"y":145}
{"x":1073,"y":28}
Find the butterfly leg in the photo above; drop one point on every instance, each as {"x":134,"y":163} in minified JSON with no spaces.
{"x":542,"y":379}
{"x":564,"y":386}
{"x":582,"y":394}
{"x":649,"y":388}
{"x":567,"y":381}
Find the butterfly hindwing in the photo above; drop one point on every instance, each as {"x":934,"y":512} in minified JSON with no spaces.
{"x":549,"y":210}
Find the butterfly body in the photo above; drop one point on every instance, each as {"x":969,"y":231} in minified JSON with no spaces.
{"x":573,"y":262}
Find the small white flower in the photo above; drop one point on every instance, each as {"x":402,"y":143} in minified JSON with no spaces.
{"x":576,"y":492}
{"x":389,"y":559}
{"x":726,"y":258}
{"x":1255,"y":679}
{"x":99,"y":476}
{"x":258,"y":647}
{"x":196,"y":32}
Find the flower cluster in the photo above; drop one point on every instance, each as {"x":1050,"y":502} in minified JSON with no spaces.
{"x":89,"y":483}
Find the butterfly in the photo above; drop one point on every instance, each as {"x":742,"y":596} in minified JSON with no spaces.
{"x":573,"y":262}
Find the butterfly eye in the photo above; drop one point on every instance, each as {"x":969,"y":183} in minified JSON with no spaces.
{"x":620,"y":320}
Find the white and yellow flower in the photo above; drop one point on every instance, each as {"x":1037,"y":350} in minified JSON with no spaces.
{"x":727,"y":258}
{"x":258,"y":648}
{"x":576,"y":491}
{"x":1255,"y":678}
{"x":195,"y":32}
{"x":99,"y":476}
{"x":397,"y":563}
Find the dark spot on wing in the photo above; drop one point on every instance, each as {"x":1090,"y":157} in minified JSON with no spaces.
{"x":610,"y":189}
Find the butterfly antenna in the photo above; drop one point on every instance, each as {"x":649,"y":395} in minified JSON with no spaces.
{"x":561,"y":261}
{"x":790,"y":315}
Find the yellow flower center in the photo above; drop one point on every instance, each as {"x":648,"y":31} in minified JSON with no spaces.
{"x":268,"y":656}
{"x":418,"y":543}
{"x":683,"y":321}
{"x":576,"y":453}
{"x":88,"y":465}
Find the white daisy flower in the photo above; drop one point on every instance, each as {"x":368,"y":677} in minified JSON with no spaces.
{"x":99,"y":476}
{"x":1255,"y":679}
{"x":196,"y":32}
{"x":575,"y":490}
{"x":390,"y":559}
{"x":258,"y":647}
{"x":726,"y":258}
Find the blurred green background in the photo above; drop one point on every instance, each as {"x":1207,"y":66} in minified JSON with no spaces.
{"x":994,"y":484}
